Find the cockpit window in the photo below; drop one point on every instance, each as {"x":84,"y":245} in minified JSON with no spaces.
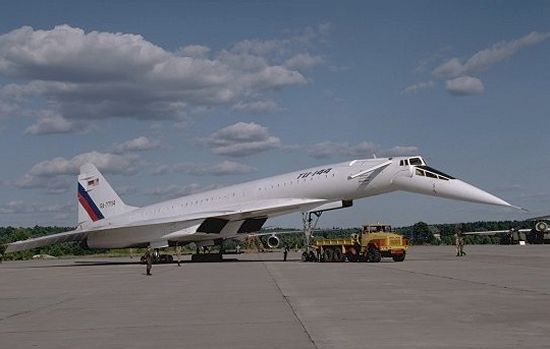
{"x":419,"y":172}
{"x":415,"y":161}
{"x":433,"y":173}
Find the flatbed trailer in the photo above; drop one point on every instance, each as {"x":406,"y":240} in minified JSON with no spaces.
{"x":374,"y":242}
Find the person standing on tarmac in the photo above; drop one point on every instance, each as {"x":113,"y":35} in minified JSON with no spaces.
{"x":149,"y":260}
{"x":285,"y":253}
{"x":462,"y":253}
{"x":178,"y":253}
{"x":459,"y":242}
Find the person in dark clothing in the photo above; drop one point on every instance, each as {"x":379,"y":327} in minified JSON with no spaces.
{"x":285,"y":253}
{"x":178,"y":254}
{"x":149,"y":260}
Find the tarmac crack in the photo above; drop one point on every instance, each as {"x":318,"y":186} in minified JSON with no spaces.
{"x":30,"y":311}
{"x":290,"y":306}
{"x":469,"y":281}
{"x":148,"y":326}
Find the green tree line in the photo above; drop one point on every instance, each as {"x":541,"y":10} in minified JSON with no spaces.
{"x":417,"y":234}
{"x":422,"y":233}
{"x":11,"y":234}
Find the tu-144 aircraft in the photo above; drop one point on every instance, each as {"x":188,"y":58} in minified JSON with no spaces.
{"x":105,"y":221}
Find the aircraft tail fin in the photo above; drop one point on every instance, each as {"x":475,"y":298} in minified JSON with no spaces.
{"x":96,"y":198}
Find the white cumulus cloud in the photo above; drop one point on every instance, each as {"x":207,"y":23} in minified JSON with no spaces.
{"x":266,"y":106}
{"x":21,"y":207}
{"x":96,"y":75}
{"x":242,"y":139}
{"x":51,"y":175}
{"x":105,"y":162}
{"x":223,"y":168}
{"x":53,"y":124}
{"x":458,"y":71}
{"x":194,"y":51}
{"x":329,"y":149}
{"x":52,"y":185}
{"x":465,"y":85}
{"x":483,"y":59}
{"x":303,"y":61}
{"x":418,"y":87}
{"x":137,"y":144}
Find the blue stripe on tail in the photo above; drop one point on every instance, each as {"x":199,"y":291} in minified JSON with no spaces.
{"x":90,"y":202}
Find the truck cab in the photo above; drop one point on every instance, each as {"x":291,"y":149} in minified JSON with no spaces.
{"x":379,"y":240}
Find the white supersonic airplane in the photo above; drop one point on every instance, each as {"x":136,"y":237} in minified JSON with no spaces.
{"x":105,"y":221}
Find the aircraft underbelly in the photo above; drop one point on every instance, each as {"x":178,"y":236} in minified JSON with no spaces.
{"x":126,"y":237}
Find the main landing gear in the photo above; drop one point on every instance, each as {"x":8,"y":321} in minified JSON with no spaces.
{"x":207,"y":256}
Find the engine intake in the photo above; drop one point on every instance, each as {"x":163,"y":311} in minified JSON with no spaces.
{"x":541,"y":226}
{"x":273,"y":241}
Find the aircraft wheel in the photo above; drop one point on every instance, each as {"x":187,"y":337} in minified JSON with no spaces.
{"x":305,"y":257}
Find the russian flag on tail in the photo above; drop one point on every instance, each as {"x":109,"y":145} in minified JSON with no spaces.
{"x":88,"y":204}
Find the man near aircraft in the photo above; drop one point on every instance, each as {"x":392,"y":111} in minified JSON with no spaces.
{"x":459,"y":242}
{"x":148,"y":260}
{"x":178,"y":253}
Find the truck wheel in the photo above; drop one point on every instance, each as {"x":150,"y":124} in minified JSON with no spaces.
{"x":305,"y":257}
{"x":327,"y":254}
{"x":337,"y":255}
{"x":373,"y":255}
{"x":377,"y":256}
{"x":398,"y":257}
{"x":312,"y":256}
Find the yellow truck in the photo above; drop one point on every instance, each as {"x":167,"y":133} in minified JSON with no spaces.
{"x":374,"y":242}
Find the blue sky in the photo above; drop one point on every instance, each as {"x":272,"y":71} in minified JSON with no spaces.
{"x":170,"y":98}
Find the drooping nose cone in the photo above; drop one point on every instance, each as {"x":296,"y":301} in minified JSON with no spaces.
{"x":459,"y":190}
{"x":448,"y":188}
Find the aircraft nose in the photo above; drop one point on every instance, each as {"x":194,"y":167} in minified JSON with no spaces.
{"x":459,"y":190}
{"x":454,"y":189}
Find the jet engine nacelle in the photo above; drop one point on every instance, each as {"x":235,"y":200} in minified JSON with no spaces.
{"x":273,"y":241}
{"x":541,"y":226}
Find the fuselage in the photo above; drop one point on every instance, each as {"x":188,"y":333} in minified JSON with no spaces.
{"x":347,"y":181}
{"x":327,"y":182}
{"x":105,"y":221}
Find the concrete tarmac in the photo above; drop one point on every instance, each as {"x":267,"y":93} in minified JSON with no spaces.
{"x":495,"y":297}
